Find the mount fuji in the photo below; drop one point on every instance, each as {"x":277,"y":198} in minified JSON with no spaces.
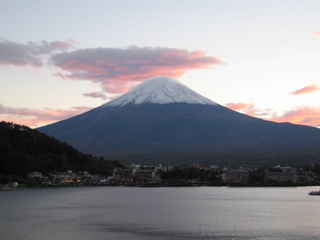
{"x":162,"y":120}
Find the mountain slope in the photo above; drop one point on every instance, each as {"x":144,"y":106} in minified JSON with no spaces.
{"x":153,"y":126}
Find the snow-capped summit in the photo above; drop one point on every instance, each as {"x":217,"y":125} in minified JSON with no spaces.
{"x":160,"y":90}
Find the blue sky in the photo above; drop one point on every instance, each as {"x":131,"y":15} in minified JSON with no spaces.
{"x":61,"y":58}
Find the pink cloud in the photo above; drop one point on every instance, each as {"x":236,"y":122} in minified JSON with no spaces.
{"x":302,"y":115}
{"x":18,"y":54}
{"x":307,"y":89}
{"x":309,"y":116}
{"x":38,"y":117}
{"x":317,"y":33}
{"x":118,"y":69}
{"x":249,"y":109}
{"x":239,"y":106}
{"x":95,"y":95}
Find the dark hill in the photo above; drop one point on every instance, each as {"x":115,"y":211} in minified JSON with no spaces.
{"x":23,"y":150}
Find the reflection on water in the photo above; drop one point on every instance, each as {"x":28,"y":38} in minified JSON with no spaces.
{"x":159,"y":213}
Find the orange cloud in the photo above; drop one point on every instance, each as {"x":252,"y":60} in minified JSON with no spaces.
{"x":239,"y":106}
{"x":302,"y":115}
{"x":38,"y":117}
{"x":307,"y":89}
{"x":248,"y":108}
{"x":309,"y":116}
{"x":118,"y":69}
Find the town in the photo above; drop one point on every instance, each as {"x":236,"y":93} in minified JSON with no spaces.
{"x":159,"y":176}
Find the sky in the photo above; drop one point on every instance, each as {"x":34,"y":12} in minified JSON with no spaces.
{"x":59,"y":59}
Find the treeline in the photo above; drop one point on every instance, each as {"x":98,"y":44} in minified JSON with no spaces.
{"x":24,"y":150}
{"x":186,"y":173}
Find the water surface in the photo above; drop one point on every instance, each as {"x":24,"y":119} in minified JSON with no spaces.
{"x":160,"y":213}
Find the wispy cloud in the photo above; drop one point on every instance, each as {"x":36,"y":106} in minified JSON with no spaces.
{"x":30,"y":53}
{"x":249,"y":109}
{"x":301,"y":115}
{"x":118,"y":69}
{"x":309,"y":116}
{"x":239,"y":106}
{"x":307,"y":89}
{"x":95,"y":95}
{"x":38,"y":117}
{"x":317,"y":33}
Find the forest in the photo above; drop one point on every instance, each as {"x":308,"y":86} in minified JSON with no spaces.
{"x":24,"y":150}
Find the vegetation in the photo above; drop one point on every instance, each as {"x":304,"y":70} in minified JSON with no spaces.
{"x":24,"y":150}
{"x":187,"y":173}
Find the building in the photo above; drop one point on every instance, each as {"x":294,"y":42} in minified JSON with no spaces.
{"x":64,"y":177}
{"x":145,"y":174}
{"x":281,"y":177}
{"x":237,"y":175}
{"x":123,"y":175}
{"x":35,"y":175}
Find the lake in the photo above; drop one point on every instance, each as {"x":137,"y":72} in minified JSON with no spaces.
{"x":135,"y":213}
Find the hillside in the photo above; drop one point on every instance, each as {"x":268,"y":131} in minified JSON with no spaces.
{"x":23,"y":150}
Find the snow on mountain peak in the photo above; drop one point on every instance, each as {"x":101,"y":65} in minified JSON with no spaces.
{"x":160,"y":90}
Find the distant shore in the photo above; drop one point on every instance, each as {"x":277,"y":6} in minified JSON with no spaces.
{"x":158,"y":185}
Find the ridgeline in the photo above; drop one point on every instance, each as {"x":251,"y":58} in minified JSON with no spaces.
{"x":24,"y":150}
